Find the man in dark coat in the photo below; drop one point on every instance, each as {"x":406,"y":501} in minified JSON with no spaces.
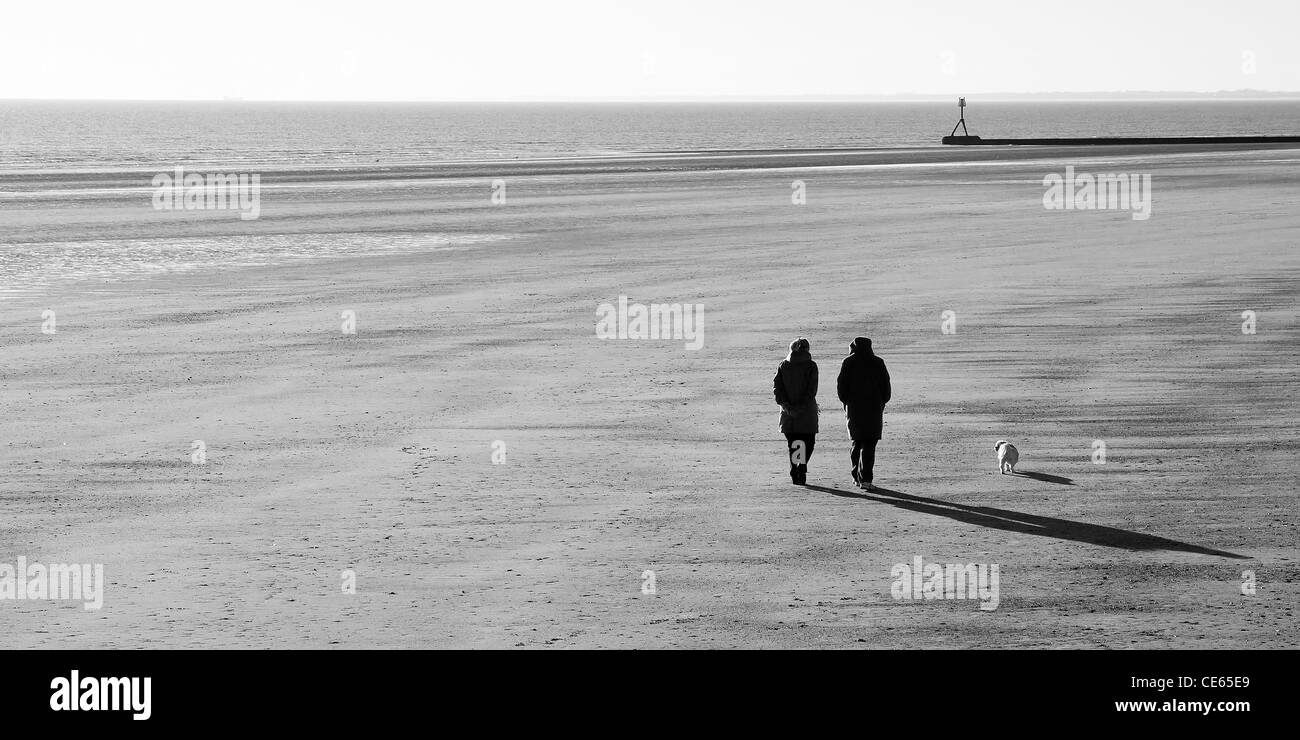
{"x":795,"y":388}
{"x":863,"y":388}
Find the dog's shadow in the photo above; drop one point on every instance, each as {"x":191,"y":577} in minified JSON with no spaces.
{"x":1016,"y":521}
{"x":1046,"y":477}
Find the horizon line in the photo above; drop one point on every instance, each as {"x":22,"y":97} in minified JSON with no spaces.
{"x":1061,"y":96}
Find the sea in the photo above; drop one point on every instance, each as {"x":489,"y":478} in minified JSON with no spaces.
{"x":69,"y":135}
{"x":60,"y":226}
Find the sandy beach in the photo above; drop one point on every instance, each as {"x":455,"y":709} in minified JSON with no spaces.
{"x":373,"y":452}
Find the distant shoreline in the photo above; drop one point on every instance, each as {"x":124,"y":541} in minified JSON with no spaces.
{"x":21,"y":179}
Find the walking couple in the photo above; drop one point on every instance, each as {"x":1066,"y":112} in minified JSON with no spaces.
{"x":863,"y":389}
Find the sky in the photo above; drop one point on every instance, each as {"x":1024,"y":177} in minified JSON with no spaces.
{"x":642,"y":49}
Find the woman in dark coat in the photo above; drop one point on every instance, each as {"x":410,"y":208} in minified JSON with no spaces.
{"x":863,"y":388}
{"x":795,"y":388}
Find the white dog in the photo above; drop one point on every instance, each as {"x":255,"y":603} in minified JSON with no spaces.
{"x":1008,"y":456}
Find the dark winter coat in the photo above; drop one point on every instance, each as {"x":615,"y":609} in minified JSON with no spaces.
{"x":863,"y":388}
{"x":795,"y":388}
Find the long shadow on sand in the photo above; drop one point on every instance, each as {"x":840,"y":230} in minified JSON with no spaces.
{"x":1045,"y":477}
{"x":1016,"y":521}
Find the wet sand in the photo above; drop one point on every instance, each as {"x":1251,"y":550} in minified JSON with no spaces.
{"x":373,"y":452}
